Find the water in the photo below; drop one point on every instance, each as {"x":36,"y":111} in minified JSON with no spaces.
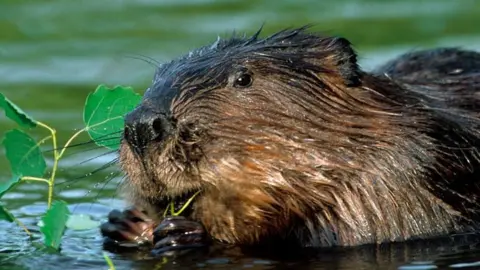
{"x":53,"y":53}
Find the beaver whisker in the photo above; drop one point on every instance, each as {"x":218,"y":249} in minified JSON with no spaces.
{"x":74,"y":180}
{"x":144,"y":58}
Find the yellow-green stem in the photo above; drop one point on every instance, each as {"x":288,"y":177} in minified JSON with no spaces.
{"x":185,"y":205}
{"x":166,"y":210}
{"x":38,"y":179}
{"x":23,"y":227}
{"x":69,"y":142}
{"x":109,"y":261}
{"x":55,"y":161}
{"x":160,"y":265}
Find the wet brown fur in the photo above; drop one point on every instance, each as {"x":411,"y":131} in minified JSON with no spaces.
{"x":315,"y":150}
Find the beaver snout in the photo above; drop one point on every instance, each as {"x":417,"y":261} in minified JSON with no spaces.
{"x":143,"y":126}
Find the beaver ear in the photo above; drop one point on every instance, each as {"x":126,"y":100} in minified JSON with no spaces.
{"x":345,"y":60}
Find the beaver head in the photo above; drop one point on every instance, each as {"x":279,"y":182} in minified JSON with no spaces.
{"x":282,"y":135}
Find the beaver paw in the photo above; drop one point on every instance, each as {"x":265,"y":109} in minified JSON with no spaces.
{"x":178,"y":233}
{"x":131,"y":227}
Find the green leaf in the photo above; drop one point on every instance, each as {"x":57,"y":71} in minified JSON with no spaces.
{"x":24,"y":154}
{"x":13,"y":112}
{"x":6,"y":215}
{"x":104,"y":111}
{"x":54,"y":223}
{"x":7,"y":185}
{"x":81,"y":222}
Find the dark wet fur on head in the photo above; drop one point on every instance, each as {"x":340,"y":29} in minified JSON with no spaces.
{"x":314,"y":150}
{"x":212,"y":63}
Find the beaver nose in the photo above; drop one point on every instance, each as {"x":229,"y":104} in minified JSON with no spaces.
{"x":143,"y":126}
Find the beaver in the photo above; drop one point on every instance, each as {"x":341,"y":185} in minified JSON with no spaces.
{"x":286,"y":139}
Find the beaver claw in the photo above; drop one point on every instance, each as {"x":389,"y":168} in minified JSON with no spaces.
{"x":131,"y":227}
{"x":178,"y":233}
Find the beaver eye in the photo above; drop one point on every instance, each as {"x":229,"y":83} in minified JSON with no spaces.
{"x":244,"y":80}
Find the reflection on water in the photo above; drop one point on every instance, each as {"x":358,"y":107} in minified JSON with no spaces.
{"x":54,"y":52}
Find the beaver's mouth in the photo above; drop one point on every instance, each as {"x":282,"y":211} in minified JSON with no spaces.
{"x":181,"y":205}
